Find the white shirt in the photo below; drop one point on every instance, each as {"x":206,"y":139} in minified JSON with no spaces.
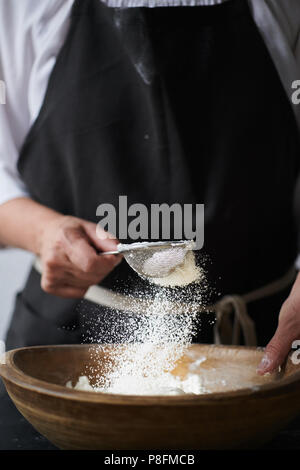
{"x":32,"y":33}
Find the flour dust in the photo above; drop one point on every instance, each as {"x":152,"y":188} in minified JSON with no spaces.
{"x":149,"y":344}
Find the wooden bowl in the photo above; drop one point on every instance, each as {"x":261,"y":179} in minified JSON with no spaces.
{"x":230,"y":417}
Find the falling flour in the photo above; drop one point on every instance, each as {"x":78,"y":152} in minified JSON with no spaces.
{"x":155,"y":340}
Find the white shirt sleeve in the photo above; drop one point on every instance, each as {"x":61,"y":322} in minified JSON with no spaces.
{"x":32,"y":33}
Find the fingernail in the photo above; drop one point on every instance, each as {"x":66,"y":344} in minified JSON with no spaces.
{"x":264,"y":365}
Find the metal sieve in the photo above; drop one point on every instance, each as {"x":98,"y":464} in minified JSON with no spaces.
{"x":154,"y":259}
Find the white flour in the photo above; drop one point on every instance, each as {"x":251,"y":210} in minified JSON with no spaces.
{"x":162,"y":262}
{"x":155,"y":340}
{"x":200,"y":379}
{"x":169,"y":386}
{"x":143,"y":365}
{"x":183,"y":274}
{"x":144,"y":369}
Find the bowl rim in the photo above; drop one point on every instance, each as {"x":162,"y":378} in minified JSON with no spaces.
{"x":11,"y":373}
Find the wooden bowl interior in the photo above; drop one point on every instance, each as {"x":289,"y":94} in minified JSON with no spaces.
{"x":222,"y":369}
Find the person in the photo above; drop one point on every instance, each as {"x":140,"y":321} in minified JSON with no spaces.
{"x":187,"y":102}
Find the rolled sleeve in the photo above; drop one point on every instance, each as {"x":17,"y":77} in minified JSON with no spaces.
{"x":31,"y":35}
{"x":11,"y":186}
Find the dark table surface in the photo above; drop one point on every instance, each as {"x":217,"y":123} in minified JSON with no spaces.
{"x":17,"y":434}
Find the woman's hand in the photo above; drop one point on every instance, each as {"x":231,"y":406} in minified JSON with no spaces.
{"x":66,"y":245}
{"x":69,"y":257}
{"x":287,"y":332}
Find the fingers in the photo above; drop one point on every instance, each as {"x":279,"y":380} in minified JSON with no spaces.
{"x":287,"y":331}
{"x":71,"y":263}
{"x":84,"y":256}
{"x":275,"y":354}
{"x":101,"y":239}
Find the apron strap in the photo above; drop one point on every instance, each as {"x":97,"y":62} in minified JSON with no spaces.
{"x":226,"y":331}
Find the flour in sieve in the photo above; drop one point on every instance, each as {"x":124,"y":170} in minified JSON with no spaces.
{"x":162,"y":262}
{"x":181,"y":273}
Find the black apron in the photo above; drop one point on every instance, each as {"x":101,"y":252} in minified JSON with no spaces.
{"x":180,"y":104}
